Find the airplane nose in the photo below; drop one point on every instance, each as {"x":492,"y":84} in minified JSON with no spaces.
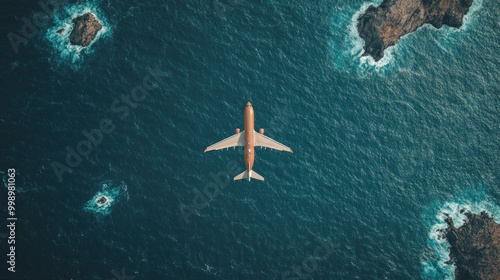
{"x":249,"y":104}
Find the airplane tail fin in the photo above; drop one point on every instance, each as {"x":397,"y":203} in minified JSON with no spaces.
{"x":248,"y":175}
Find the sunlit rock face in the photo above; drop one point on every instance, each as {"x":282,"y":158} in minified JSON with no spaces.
{"x":85,"y":29}
{"x":475,"y":247}
{"x":381,"y":27}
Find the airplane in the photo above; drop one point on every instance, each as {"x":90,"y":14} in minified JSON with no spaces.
{"x":248,"y":138}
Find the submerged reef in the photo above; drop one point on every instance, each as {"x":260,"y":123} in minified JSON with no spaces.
{"x":85,"y":29}
{"x":381,"y":27}
{"x":475,"y":247}
{"x":104,"y":200}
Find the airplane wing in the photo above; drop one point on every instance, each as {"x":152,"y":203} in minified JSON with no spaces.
{"x":264,"y":141}
{"x":232,"y":141}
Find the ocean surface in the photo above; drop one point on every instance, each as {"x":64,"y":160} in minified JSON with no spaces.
{"x":381,"y":150}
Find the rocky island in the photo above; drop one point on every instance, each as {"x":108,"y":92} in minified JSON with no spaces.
{"x":101,"y":201}
{"x":475,"y":247}
{"x":381,"y":27}
{"x":85,"y":29}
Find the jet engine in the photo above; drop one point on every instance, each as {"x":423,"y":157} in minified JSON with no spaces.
{"x":237,"y":131}
{"x":261,"y":131}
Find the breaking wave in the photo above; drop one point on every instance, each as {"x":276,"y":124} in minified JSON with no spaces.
{"x":63,"y":50}
{"x":472,"y":200}
{"x":346,"y":46}
{"x":111,"y":195}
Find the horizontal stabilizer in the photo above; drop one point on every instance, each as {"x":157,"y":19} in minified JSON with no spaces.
{"x":247,"y":175}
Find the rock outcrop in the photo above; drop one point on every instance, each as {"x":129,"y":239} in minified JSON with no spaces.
{"x":85,"y":29}
{"x":382,"y":26}
{"x":475,"y":247}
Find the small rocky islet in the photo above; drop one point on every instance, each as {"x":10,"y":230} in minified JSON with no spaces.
{"x":381,"y":27}
{"x":85,"y":29}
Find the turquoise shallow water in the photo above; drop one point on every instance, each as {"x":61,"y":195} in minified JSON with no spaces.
{"x":379,"y":150}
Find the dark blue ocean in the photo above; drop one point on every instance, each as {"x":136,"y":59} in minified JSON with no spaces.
{"x":381,"y":151}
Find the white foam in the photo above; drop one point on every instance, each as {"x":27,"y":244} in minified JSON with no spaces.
{"x":451,"y":36}
{"x":431,"y":272}
{"x":470,"y":201}
{"x":110,"y":193}
{"x":65,"y":51}
{"x":353,"y":44}
{"x":471,"y":15}
{"x":347,"y":47}
{"x":358,"y":43}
